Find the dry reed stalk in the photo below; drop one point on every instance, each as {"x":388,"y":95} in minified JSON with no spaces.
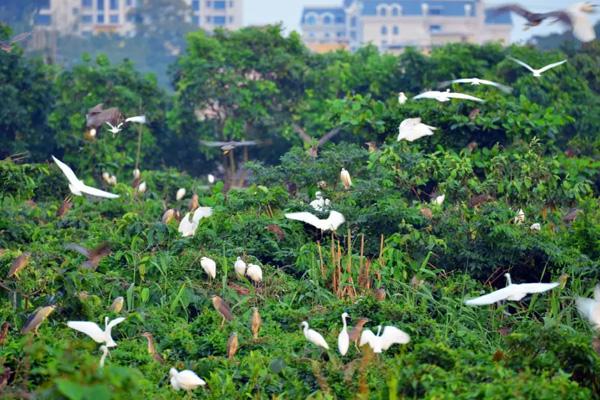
{"x":322,"y":266}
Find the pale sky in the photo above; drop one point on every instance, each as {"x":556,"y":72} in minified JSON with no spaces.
{"x":260,"y":12}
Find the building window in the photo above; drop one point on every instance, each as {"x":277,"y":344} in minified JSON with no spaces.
{"x":208,"y":19}
{"x":196,"y":5}
{"x":195,"y":20}
{"x":339,"y":19}
{"x":114,"y":19}
{"x":209,"y":4}
{"x":219,"y":5}
{"x":219,"y":20}
{"x":86,"y":3}
{"x":396,"y":30}
{"x":231,"y":20}
{"x":42,"y":20}
{"x":114,"y":4}
{"x":311,"y":20}
{"x":395,"y":12}
{"x":327,"y":20}
{"x":435,"y":28}
{"x":384,"y":30}
{"x":100,"y":5}
{"x":353,"y":22}
{"x":100,"y":18}
{"x":231,"y":4}
{"x":87,"y":19}
{"x":44,"y":4}
{"x":353,"y":35}
{"x":383,"y":11}
{"x":435,"y":11}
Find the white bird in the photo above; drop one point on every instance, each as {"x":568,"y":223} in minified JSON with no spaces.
{"x":402,"y":98}
{"x":180,"y":194}
{"x":536,"y":227}
{"x":446,"y":96}
{"x":412,"y":129}
{"x":186,"y":379}
{"x":520,"y":217}
{"x":320,"y":203}
{"x":136,"y":173}
{"x":240,"y":267}
{"x":254,"y":272}
{"x":343,"y":337}
{"x":114,"y":129}
{"x":383,"y":341}
{"x":95,"y":332}
{"x":313,"y":336}
{"x":211,"y":178}
{"x":93,"y":132}
{"x":104,"y":351}
{"x":142,"y":187}
{"x":112,"y":180}
{"x":439,"y":200}
{"x":590,"y":308}
{"x":332,"y":222}
{"x":209,"y":266}
{"x":106,"y":177}
{"x":514,"y":292}
{"x":140,"y":119}
{"x":77,"y":187}
{"x":477,"y":82}
{"x":576,"y":17}
{"x":346,"y":179}
{"x":189,"y":223}
{"x":538,"y":72}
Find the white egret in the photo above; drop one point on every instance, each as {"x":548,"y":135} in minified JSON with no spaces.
{"x":142,"y":187}
{"x":180,"y":194}
{"x":114,"y":129}
{"x":320,"y":203}
{"x":402,"y":98}
{"x":211,"y":178}
{"x":513,"y":292}
{"x":446,"y":96}
{"x":590,"y":308}
{"x":112,"y":180}
{"x":412,"y":129}
{"x":383,"y":341}
{"x":140,"y":119}
{"x":77,"y":187}
{"x":313,"y":336}
{"x":520,"y":217}
{"x":106,"y":177}
{"x":240,"y":267}
{"x":186,"y":379}
{"x":343,"y":337}
{"x":136,"y":173}
{"x":537,"y":72}
{"x":477,"y":82}
{"x":189,"y":223}
{"x":104,"y":351}
{"x":95,"y":332}
{"x":439,"y":200}
{"x":209,"y":266}
{"x":345,"y":178}
{"x":332,"y":222}
{"x":254,"y":272}
{"x":536,"y":227}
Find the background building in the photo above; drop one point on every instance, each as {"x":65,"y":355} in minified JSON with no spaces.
{"x":392,"y":25}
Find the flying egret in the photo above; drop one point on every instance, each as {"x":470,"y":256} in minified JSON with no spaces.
{"x":412,"y":129}
{"x":117,"y":304}
{"x":513,"y":292}
{"x":104,"y":351}
{"x":402,"y":98}
{"x":189,"y":223}
{"x":180,"y":194}
{"x":345,"y":178}
{"x":314,"y":337}
{"x":383,"y":341}
{"x":538,"y":72}
{"x":477,"y":82}
{"x":520,"y":217}
{"x":332,"y":222}
{"x":232,"y":345}
{"x":77,"y":187}
{"x":255,"y":322}
{"x":152,"y":348}
{"x":186,"y":380}
{"x":114,"y":129}
{"x":18,"y":264}
{"x":140,"y":119}
{"x":254,"y":272}
{"x":36,"y":318}
{"x":95,"y":332}
{"x":446,"y":96}
{"x":240,"y":267}
{"x":94,"y":256}
{"x":222,"y":307}
{"x":209,"y":266}
{"x":343,"y":337}
{"x":320,"y":203}
{"x":590,"y":308}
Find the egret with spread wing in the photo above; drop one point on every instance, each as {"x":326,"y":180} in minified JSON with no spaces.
{"x":446,"y":96}
{"x":513,"y":292}
{"x":537,"y":72}
{"x":477,"y":82}
{"x":332,"y":222}
{"x":95,"y":332}
{"x":412,"y":129}
{"x":77,"y":187}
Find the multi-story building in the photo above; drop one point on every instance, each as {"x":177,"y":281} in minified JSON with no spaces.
{"x":85,"y":17}
{"x":392,"y":25}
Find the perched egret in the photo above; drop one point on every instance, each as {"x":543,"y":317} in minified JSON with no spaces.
{"x":232,"y":345}
{"x":180,"y":194}
{"x":104,"y":351}
{"x":189,"y":223}
{"x":412,"y":129}
{"x":114,"y":129}
{"x":106,"y":177}
{"x":520,"y":217}
{"x":383,"y":341}
{"x":255,"y":322}
{"x":314,"y":337}
{"x":477,"y":82}
{"x":590,"y":308}
{"x":513,"y":292}
{"x":439,"y":200}
{"x":538,"y":72}
{"x":140,"y":119}
{"x":137,"y":173}
{"x":209,"y":266}
{"x":222,"y":307}
{"x":345,"y":178}
{"x":36,"y":318}
{"x":112,"y":180}
{"x":320,"y":203}
{"x":254,"y":272}
{"x":240,"y":267}
{"x":18,"y":264}
{"x":152,"y":348}
{"x":95,"y":332}
{"x":77,"y":187}
{"x":343,"y":337}
{"x":211,"y":178}
{"x":186,"y":380}
{"x":142,"y":187}
{"x":446,"y":96}
{"x":536,"y":227}
{"x":94,"y":256}
{"x":402,"y":98}
{"x":332,"y":222}
{"x":117,"y":304}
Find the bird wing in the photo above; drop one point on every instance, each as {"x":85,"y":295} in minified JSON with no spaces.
{"x":426,"y":95}
{"x":490,"y":298}
{"x":187,"y":227}
{"x":500,"y":86}
{"x":213,"y":144}
{"x":550,"y":66}
{"x":92,"y":191}
{"x":80,"y":249}
{"x":246,"y":143}
{"x":317,"y":338}
{"x":366,"y":337}
{"x":517,"y":9}
{"x":521,"y":63}
{"x":72,"y":178}
{"x":112,"y":127}
{"x":140,"y":119}
{"x":536,"y":287}
{"x":114,"y":323}
{"x":392,"y":335}
{"x":335,"y":219}
{"x":89,"y":328}
{"x":464,"y":96}
{"x":188,"y":377}
{"x":305,"y":217}
{"x":585,"y":306}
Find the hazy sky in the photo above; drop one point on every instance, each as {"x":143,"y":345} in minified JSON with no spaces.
{"x":289,"y":11}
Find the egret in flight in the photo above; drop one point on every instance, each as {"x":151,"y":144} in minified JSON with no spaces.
{"x":446,"y":96}
{"x":538,"y":72}
{"x":412,"y":129}
{"x":95,"y":332}
{"x":513,"y":292}
{"x":77,"y":187}
{"x":331,"y":223}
